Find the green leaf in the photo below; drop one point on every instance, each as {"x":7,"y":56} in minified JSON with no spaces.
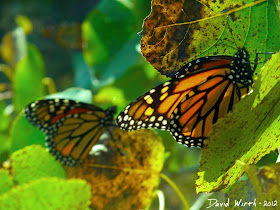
{"x":247,"y":134}
{"x":177,"y":32}
{"x":27,"y":83}
{"x":124,"y":59}
{"x":5,"y":144}
{"x":5,"y":147}
{"x":5,"y":118}
{"x":95,"y":46}
{"x":140,"y":9}
{"x":6,"y":181}
{"x":109,"y":31}
{"x":112,"y":43}
{"x":24,"y":134}
{"x":268,"y":159}
{"x":34,"y":162}
{"x":51,"y":193}
{"x":105,"y":95}
{"x":106,"y":30}
{"x":135,"y":81}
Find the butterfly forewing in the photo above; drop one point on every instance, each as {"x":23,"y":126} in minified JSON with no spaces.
{"x":200,"y":93}
{"x":71,"y":127}
{"x":154,"y":108}
{"x":144,"y":112}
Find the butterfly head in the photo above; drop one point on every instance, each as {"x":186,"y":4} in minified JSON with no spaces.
{"x":241,"y":71}
{"x":110,"y":112}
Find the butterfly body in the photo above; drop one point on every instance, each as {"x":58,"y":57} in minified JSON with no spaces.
{"x":190,"y":103}
{"x":71,"y":127}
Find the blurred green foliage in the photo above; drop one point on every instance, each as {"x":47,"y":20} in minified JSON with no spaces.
{"x":38,"y":182}
{"x":24,"y":134}
{"x":27,"y":81}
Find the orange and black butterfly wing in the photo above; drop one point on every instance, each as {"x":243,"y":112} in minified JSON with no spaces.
{"x":239,"y":64}
{"x":195,"y":115}
{"x":71,"y":128}
{"x":154,"y":108}
{"x":210,"y":62}
{"x":146,"y":112}
{"x":211,"y":100}
{"x":193,"y":118}
{"x":200,"y":93}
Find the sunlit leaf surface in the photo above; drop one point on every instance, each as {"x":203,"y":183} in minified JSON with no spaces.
{"x":34,"y":162}
{"x":6,"y":181}
{"x":49,"y":193}
{"x":247,"y":134}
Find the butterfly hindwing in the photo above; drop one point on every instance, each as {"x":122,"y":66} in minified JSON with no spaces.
{"x":210,"y":62}
{"x":71,"y":127}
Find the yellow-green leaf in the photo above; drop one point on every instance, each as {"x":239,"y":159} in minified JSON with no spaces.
{"x":247,"y":134}
{"x":24,"y":134}
{"x":34,"y":162}
{"x":6,"y":181}
{"x":48,"y":193}
{"x":25,"y":23}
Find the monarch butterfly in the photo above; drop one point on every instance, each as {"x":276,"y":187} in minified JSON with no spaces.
{"x":188,"y":105}
{"x":71,"y":127}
